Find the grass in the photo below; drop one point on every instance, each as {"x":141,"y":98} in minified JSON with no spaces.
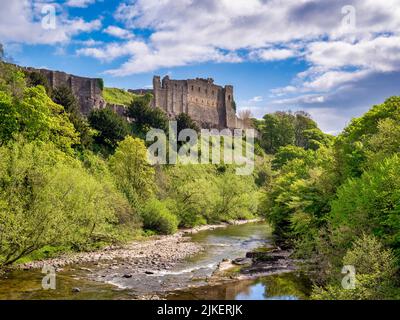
{"x":118,"y":96}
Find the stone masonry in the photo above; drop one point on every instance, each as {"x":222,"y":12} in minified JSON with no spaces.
{"x":206,"y":103}
{"x":88,"y":91}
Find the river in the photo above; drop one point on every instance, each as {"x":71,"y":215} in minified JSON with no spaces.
{"x":188,"y":280}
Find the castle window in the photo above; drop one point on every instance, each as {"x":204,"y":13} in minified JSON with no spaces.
{"x":213,"y":92}
{"x":229,"y":98}
{"x":192,"y":88}
{"x":199,"y":89}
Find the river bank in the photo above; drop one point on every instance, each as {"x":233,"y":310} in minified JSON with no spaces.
{"x":154,"y":253}
{"x":224,"y":261}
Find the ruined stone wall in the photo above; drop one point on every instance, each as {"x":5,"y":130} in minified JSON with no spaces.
{"x":88,"y":91}
{"x":206,"y":103}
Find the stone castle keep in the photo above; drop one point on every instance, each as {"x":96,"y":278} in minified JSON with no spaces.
{"x":210,"y":105}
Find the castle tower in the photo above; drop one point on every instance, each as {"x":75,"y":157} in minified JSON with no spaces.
{"x":229,"y":111}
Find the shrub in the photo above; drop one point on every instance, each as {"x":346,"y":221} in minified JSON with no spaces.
{"x":48,"y":198}
{"x":156,"y":216}
{"x":375,"y":268}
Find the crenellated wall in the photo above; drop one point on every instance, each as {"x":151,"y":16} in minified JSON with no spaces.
{"x":88,"y":91}
{"x":206,"y":103}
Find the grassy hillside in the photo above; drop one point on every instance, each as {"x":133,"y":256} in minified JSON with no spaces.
{"x":117,"y":96}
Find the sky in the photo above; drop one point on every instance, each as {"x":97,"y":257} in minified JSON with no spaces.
{"x":334,"y":59}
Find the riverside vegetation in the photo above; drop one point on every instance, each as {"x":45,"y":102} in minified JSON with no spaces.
{"x":68,"y":183}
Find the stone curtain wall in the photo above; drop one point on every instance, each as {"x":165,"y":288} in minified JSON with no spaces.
{"x":88,"y":91}
{"x":208,"y":104}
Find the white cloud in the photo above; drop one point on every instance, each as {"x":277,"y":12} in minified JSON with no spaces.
{"x":79,"y":3}
{"x":273,"y":54}
{"x":21,"y":22}
{"x":118,"y":32}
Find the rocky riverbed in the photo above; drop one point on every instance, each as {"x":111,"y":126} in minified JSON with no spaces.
{"x":146,"y":256}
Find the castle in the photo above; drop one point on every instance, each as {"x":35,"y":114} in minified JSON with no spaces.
{"x":210,"y":105}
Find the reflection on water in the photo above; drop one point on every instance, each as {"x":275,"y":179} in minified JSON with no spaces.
{"x":289,"y":286}
{"x":229,"y":243}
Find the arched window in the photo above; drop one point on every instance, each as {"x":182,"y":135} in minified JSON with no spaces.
{"x":229,"y":98}
{"x":192,"y":88}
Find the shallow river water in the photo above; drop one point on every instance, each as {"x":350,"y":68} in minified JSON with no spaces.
{"x":187,"y":280}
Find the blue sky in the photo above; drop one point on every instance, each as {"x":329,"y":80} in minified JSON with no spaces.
{"x":333,"y":59}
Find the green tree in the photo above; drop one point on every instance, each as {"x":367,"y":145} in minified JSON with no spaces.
{"x":36,"y":117}
{"x":146,"y":117}
{"x":184,"y":121}
{"x":48,"y":199}
{"x":111,"y":128}
{"x":35,"y":78}
{"x":375,"y":268}
{"x":64,"y":96}
{"x":156,"y":216}
{"x":132,"y":171}
{"x":369,"y":204}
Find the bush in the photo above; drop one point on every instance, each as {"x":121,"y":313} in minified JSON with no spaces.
{"x":111,"y":128}
{"x":48,"y":198}
{"x":375,"y":268}
{"x":156,"y":216}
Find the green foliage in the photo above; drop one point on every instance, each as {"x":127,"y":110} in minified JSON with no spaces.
{"x":156,"y":216}
{"x":111,"y":128}
{"x":234,"y":106}
{"x":184,"y":121}
{"x":134,"y":175}
{"x":289,"y":153}
{"x":100,"y":82}
{"x":199,"y":194}
{"x":36,"y":117}
{"x":145,"y":117}
{"x":64,"y":97}
{"x":118,"y":96}
{"x":370,"y":204}
{"x":352,"y":145}
{"x":375,"y":268}
{"x":47,"y":198}
{"x":35,"y":78}
{"x":12,"y":80}
{"x":282,"y":129}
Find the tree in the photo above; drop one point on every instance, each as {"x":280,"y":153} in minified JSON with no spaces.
{"x":35,"y":78}
{"x":156,"y":216}
{"x":351,"y":145}
{"x":375,"y":268}
{"x":369,"y":204}
{"x":111,"y":128}
{"x":48,"y":199}
{"x":146,"y":117}
{"x":36,"y":117}
{"x":132,"y":171}
{"x":246,"y":117}
{"x":277,"y":131}
{"x":64,"y":96}
{"x":184,"y":121}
